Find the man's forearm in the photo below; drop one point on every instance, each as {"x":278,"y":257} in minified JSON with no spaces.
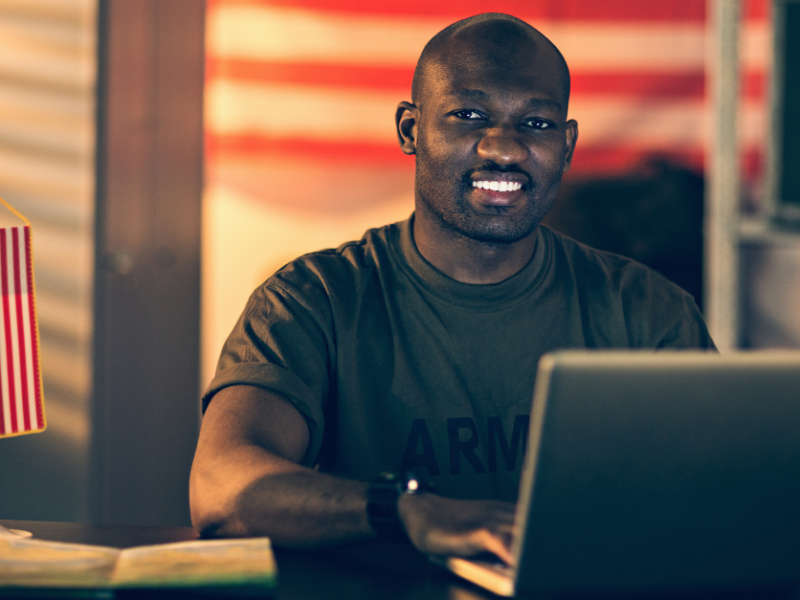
{"x":295,"y":506}
{"x":246,"y":479}
{"x":304,"y":509}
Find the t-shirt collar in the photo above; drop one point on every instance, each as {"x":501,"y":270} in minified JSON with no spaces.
{"x":488,"y":295}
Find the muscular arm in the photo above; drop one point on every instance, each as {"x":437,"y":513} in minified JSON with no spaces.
{"x":246,"y":481}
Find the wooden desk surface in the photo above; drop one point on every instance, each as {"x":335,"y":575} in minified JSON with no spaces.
{"x":379,"y":570}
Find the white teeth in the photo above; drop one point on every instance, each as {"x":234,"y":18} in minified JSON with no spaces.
{"x":498,"y":186}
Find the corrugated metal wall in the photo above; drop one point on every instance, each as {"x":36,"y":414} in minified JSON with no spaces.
{"x":47,"y":135}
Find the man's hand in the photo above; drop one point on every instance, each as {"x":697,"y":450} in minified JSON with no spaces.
{"x":438,"y":525}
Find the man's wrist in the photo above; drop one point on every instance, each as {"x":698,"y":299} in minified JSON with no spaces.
{"x":382,"y":497}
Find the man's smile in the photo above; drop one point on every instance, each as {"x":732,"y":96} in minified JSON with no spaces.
{"x":491,"y":139}
{"x":498,"y":186}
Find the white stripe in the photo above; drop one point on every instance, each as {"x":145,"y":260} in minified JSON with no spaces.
{"x":81,"y":11}
{"x":14,"y":325}
{"x":296,"y":35}
{"x":286,"y":34}
{"x":325,"y":114}
{"x":679,"y":123}
{"x":28,"y":332}
{"x":301,"y":111}
{"x":755,"y":46}
{"x":47,"y":53}
{"x":4,"y":390}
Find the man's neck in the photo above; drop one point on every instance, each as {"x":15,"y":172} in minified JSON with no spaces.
{"x":467,"y":260}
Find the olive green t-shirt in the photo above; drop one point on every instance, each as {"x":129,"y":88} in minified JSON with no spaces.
{"x":395,"y":365}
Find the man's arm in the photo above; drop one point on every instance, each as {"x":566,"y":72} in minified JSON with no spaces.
{"x":246,"y":481}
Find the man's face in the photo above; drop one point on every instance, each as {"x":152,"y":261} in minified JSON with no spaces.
{"x":492,"y":142}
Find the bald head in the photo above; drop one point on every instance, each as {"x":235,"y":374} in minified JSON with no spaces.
{"x":495,"y":40}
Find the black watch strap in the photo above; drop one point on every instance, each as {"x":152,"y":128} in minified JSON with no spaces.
{"x":382,"y":496}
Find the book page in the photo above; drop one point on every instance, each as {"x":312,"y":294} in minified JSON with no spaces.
{"x":202,"y":563}
{"x":13,"y":534}
{"x":39,"y":564}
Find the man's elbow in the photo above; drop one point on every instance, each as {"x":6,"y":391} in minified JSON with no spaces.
{"x":211,"y":511}
{"x":207,"y":522}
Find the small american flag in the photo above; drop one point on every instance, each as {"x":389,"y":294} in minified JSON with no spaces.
{"x":21,"y":400}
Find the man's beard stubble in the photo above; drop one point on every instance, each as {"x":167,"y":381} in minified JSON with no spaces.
{"x":464,"y":222}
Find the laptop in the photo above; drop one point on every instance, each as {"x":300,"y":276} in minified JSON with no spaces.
{"x":657,"y":474}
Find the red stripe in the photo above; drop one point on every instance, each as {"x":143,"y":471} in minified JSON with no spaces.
{"x":255,"y":145}
{"x":652,"y":84}
{"x":33,"y":332}
{"x":589,"y":160}
{"x":754,"y":85}
{"x":757,"y":10}
{"x":752,"y":163}
{"x":646,"y":84}
{"x":393,"y":78}
{"x":7,"y":322}
{"x":574,"y":10}
{"x":23,"y":359}
{"x":594,"y":160}
{"x":643,"y":84}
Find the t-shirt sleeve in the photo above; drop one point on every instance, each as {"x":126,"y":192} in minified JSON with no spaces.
{"x":690,"y":330}
{"x":283,"y":343}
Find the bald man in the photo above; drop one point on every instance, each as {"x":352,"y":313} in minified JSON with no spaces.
{"x":416,"y":347}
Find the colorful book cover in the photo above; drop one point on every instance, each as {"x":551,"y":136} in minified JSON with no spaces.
{"x":241,"y":567}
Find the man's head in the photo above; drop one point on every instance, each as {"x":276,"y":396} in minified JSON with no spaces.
{"x":490,"y":96}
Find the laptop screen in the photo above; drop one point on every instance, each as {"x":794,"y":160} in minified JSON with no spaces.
{"x":660,"y":473}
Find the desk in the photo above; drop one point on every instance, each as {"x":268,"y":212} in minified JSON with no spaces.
{"x":379,"y":570}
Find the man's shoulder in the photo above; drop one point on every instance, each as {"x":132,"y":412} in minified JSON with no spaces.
{"x":346,"y":264}
{"x":650,"y":309}
{"x":608,"y":281}
{"x":576,"y":250}
{"x":593,"y":265}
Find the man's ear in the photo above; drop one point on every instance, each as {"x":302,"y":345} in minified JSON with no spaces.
{"x":572,"y":139}
{"x":405,"y":120}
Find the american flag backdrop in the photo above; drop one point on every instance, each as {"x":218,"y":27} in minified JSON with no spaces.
{"x":320,"y":78}
{"x":301,"y":151}
{"x":21,"y":401}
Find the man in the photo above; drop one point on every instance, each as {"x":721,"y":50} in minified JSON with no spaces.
{"x":417,"y":346}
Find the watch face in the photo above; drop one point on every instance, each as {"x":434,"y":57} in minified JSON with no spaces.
{"x":382,"y":496}
{"x":406,"y":483}
{"x":415,"y":483}
{"x":412,"y":485}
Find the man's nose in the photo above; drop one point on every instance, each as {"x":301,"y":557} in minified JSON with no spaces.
{"x":502,"y":146}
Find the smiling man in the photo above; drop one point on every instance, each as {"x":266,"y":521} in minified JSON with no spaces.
{"x":489,"y":128}
{"x":416,"y":347}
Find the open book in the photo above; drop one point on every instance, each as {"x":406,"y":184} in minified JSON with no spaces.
{"x":237,"y":566}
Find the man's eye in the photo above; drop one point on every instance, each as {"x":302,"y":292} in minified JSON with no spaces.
{"x":467,"y":114}
{"x":538,"y":124}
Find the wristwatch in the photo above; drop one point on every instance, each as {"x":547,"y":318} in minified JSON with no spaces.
{"x":382,"y":496}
